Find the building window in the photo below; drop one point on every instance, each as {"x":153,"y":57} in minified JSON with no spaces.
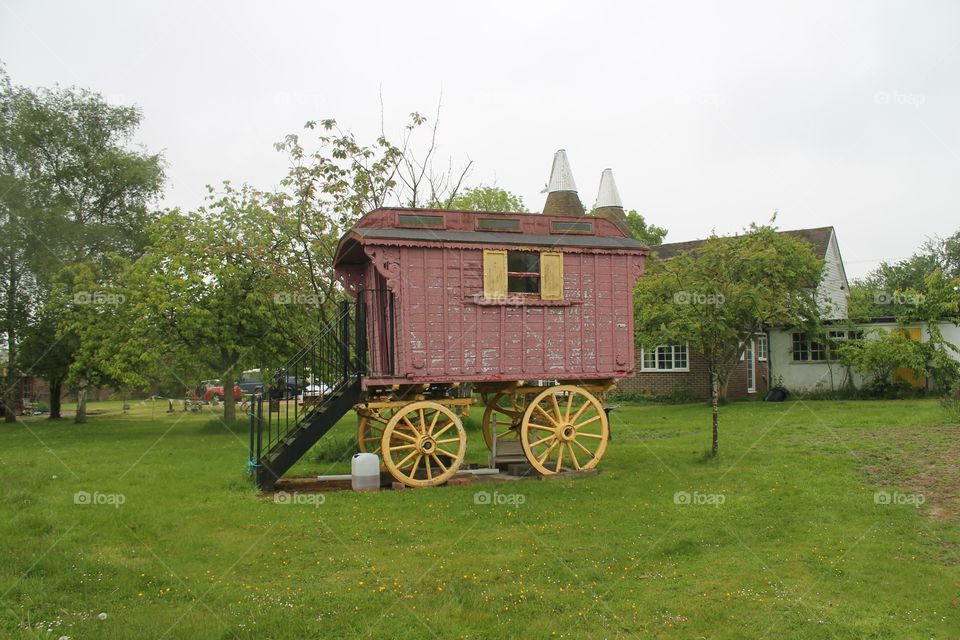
{"x":807,"y":350}
{"x":666,"y":358}
{"x":762,"y":347}
{"x":522,"y":272}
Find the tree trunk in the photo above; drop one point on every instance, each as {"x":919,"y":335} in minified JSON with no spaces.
{"x":229,"y":403}
{"x":56,"y":388}
{"x":81,"y":417}
{"x":716,"y":416}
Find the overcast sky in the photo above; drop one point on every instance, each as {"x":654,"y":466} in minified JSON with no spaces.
{"x":712,"y":115}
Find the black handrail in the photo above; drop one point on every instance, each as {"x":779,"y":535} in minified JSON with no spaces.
{"x":323,"y":369}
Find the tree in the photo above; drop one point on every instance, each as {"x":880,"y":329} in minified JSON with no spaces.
{"x":485,"y":198}
{"x":723,"y":295}
{"x":884,"y":292}
{"x":83,"y":195}
{"x":204,"y":290}
{"x":649,"y":234}
{"x":879,"y":353}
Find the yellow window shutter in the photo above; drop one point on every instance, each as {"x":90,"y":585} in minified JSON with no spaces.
{"x":494,"y":274}
{"x":551,"y":275}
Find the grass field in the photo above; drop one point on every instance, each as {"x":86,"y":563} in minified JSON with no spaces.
{"x":809,"y":526}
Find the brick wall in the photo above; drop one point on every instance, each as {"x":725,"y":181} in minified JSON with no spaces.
{"x":694,"y":383}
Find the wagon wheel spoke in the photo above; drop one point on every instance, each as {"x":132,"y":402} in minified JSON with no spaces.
{"x":587,"y":451}
{"x":590,"y":421}
{"x":437,"y":460}
{"x":573,"y":455}
{"x":547,"y":452}
{"x":566,"y":414}
{"x":449,"y":426}
{"x":402,"y":462}
{"x":541,"y":441}
{"x":433,"y":423}
{"x":548,"y":416}
{"x":559,"y":459}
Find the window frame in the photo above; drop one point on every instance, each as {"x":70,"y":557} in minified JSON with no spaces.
{"x":536,"y":275}
{"x":763,"y":347}
{"x":674,"y":350}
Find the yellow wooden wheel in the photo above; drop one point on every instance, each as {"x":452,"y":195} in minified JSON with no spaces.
{"x":507,"y":407}
{"x":564,"y":425}
{"x":370,"y":426}
{"x":423,"y":444}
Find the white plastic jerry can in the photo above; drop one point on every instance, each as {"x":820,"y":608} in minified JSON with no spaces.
{"x":365,"y":472}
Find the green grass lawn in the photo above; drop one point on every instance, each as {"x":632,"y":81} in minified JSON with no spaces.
{"x":780,"y":538}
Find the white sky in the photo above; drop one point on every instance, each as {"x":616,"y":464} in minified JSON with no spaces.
{"x":711,"y":115}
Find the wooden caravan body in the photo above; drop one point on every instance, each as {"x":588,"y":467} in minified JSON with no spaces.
{"x":462,"y":296}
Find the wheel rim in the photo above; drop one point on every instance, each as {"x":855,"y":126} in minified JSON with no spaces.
{"x":423,"y":444}
{"x":370,"y":426}
{"x":564,"y":425}
{"x":508,"y":409}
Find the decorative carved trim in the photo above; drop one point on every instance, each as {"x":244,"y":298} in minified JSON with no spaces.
{"x":351,"y":277}
{"x":387,"y":262}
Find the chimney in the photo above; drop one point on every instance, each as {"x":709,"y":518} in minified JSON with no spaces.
{"x":562,"y":198}
{"x":608,"y":204}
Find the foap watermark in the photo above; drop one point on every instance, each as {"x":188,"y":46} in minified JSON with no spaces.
{"x":100,"y":499}
{"x":98,"y":297}
{"x":509,"y":301}
{"x":896,"y":498}
{"x":497,"y":498}
{"x":899,"y":298}
{"x":915,"y":100}
{"x":699,"y":499}
{"x":311,"y":499}
{"x":694,"y":297}
{"x":305,"y":299}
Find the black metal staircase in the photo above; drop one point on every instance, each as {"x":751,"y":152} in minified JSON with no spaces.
{"x":307,"y":396}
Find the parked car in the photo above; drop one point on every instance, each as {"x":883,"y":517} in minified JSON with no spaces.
{"x":252,"y":382}
{"x":215,"y":393}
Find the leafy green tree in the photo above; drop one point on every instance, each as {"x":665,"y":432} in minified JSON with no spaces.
{"x":886,"y":291}
{"x":205,"y":290}
{"x":723,"y":295}
{"x":487,"y":198}
{"x":880,"y":353}
{"x":649,"y":234}
{"x":84,"y":193}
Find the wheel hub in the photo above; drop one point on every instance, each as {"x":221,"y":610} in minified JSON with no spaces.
{"x":567,"y":432}
{"x":427,"y":445}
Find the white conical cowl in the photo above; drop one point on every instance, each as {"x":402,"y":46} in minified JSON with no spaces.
{"x":562,"y":198}
{"x":608,"y":196}
{"x":561,"y":177}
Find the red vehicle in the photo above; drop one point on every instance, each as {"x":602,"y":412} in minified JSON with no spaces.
{"x":532,"y":311}
{"x":212,"y":391}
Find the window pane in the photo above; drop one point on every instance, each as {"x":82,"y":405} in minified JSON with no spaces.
{"x":800,"y":347}
{"x":562,"y":226}
{"x":498,"y":224}
{"x":523,"y":262}
{"x":817,"y":351}
{"x":680,"y":356}
{"x":649,"y":358}
{"x":664,"y":358}
{"x":412,"y":220}
{"x":523,"y":284}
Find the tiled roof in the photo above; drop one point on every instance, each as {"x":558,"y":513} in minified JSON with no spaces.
{"x":818,"y":238}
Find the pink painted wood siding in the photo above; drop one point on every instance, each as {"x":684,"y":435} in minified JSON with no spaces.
{"x":443,"y":334}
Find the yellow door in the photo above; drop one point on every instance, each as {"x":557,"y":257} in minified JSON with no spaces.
{"x":906,"y":374}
